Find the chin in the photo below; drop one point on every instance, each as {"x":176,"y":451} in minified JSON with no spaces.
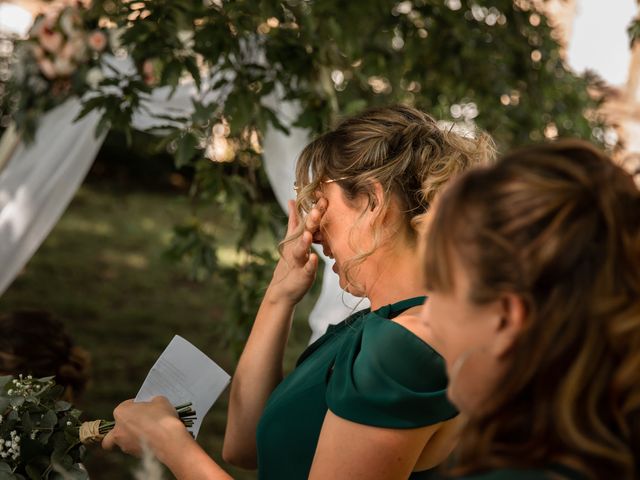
{"x":345,"y":285}
{"x":460,"y":405}
{"x":352,"y":289}
{"x":471,"y":402}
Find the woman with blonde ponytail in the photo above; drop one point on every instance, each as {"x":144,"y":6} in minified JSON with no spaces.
{"x":533,"y":273}
{"x":368,"y":399}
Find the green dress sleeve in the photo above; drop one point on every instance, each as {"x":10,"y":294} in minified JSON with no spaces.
{"x":388,"y":377}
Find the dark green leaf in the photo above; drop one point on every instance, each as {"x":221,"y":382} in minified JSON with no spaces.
{"x":187,"y":148}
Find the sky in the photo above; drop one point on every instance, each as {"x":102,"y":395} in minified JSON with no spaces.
{"x":599,"y":40}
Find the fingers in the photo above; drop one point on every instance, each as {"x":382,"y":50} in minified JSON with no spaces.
{"x":312,"y":222}
{"x":108,"y":442}
{"x":312,"y":264}
{"x":314,"y":219}
{"x":164,"y":404}
{"x":160,"y":400}
{"x":118,"y":411}
{"x":293,"y":217}
{"x":301,"y":248}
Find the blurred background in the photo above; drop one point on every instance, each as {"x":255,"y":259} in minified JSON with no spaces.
{"x":175,"y":229}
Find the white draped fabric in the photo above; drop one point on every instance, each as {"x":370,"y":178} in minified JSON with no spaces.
{"x":40,"y":180}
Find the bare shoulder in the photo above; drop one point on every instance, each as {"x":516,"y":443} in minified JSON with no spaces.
{"x":411,"y":319}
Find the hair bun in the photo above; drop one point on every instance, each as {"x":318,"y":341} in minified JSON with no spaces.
{"x":35,"y":342}
{"x":74,"y":372}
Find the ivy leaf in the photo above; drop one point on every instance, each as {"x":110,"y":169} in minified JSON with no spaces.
{"x":49,"y":420}
{"x":4,"y":379}
{"x":27,"y":422}
{"x":62,"y":406}
{"x":33,"y":472}
{"x":90,"y":105}
{"x":202,"y":113}
{"x":171,"y":73}
{"x":192,"y":67}
{"x":187,"y":148}
{"x":275,"y":121}
{"x":104,"y":124}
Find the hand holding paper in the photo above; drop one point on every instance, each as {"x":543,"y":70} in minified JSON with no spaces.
{"x":184,"y":374}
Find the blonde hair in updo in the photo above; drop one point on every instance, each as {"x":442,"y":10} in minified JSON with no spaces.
{"x":400,"y":147}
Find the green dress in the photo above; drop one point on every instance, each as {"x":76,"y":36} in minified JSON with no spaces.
{"x":367,"y":369}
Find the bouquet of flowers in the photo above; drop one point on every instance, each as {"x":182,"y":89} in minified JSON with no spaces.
{"x":60,"y":58}
{"x":42,"y":436}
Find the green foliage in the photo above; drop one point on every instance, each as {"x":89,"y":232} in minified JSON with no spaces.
{"x":101,"y":270}
{"x":248,"y":283}
{"x":491,"y":64}
{"x":38,"y":431}
{"x":60,"y":59}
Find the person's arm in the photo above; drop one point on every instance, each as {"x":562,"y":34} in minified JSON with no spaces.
{"x":352,"y":451}
{"x":260,"y":367}
{"x":156,"y":426}
{"x":348,"y":448}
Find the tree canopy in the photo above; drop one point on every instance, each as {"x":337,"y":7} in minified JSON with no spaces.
{"x":494,"y":64}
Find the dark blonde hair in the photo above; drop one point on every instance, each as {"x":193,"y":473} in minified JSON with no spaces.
{"x":400,"y":147}
{"x":559,"y":225}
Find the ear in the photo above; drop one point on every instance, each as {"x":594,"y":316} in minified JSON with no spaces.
{"x":376,"y":199}
{"x":511,"y":319}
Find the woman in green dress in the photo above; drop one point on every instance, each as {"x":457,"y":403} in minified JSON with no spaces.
{"x":368,"y":399}
{"x":533,"y":275}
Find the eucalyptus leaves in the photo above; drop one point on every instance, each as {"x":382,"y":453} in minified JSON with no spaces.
{"x":42,"y":436}
{"x":38,"y":431}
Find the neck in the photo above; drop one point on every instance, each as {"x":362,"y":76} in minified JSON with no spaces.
{"x":397,"y":276}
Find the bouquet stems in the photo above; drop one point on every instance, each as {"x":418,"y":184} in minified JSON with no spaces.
{"x":94,"y":432}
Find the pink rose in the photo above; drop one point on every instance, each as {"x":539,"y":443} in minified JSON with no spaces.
{"x":38,"y":52}
{"x":79,"y":48}
{"x":46,"y":67}
{"x":149,"y":73}
{"x":50,"y":40}
{"x":63,"y":67}
{"x":97,"y":41}
{"x":70,"y":21}
{"x":74,"y":49}
{"x":67,"y":51}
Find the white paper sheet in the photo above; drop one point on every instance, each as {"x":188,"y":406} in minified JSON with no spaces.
{"x":184,"y":374}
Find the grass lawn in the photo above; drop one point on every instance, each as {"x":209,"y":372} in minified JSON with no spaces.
{"x":102,"y":271}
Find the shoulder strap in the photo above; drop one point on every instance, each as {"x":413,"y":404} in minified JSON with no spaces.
{"x":395,"y":309}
